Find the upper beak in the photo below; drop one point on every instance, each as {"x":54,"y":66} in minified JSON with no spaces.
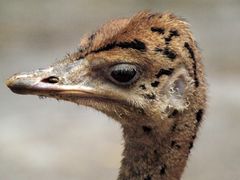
{"x":37,"y":84}
{"x":20,"y":84}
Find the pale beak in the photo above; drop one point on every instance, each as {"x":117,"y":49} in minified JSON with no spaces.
{"x":37,"y":83}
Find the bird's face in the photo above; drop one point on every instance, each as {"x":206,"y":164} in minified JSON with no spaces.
{"x":97,"y":82}
{"x":120,"y":87}
{"x":127,"y":69}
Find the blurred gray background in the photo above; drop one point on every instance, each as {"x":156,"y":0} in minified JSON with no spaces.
{"x":50,"y":140}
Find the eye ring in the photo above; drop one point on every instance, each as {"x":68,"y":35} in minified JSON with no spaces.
{"x":123,"y":74}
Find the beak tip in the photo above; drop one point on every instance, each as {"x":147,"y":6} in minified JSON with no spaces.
{"x":9,"y":83}
{"x":15,"y":85}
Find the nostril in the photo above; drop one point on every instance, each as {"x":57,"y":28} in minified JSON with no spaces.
{"x":51,"y":79}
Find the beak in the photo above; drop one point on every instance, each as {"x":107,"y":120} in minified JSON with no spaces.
{"x":41,"y":83}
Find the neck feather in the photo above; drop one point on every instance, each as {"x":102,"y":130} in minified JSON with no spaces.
{"x":150,"y":155}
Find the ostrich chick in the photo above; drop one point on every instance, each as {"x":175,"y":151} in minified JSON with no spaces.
{"x":146,"y":73}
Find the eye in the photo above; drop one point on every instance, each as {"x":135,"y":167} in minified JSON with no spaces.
{"x":123,"y":74}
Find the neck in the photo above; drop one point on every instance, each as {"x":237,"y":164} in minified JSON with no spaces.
{"x":150,"y":155}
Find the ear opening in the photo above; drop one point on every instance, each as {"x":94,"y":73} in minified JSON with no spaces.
{"x":176,"y":90}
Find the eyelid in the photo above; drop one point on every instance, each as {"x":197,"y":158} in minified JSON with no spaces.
{"x":138,"y":68}
{"x":105,"y":64}
{"x":127,"y":66}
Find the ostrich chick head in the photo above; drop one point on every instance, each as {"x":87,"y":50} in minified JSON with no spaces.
{"x":140,"y":71}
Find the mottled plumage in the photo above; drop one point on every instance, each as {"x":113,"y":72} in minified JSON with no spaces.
{"x":146,"y":73}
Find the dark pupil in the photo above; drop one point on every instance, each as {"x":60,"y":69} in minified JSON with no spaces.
{"x":123,"y":75}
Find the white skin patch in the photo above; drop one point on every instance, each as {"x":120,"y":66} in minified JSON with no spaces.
{"x":176,"y":90}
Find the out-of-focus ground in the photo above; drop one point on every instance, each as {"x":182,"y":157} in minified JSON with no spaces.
{"x":45,"y":139}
